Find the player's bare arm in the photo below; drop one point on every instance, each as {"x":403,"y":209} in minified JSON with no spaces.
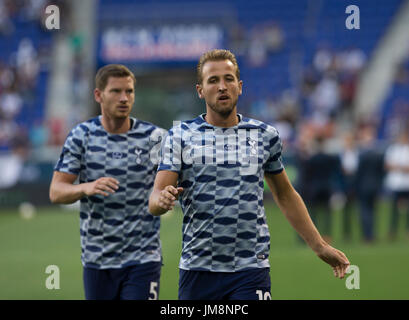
{"x":294,"y":209}
{"x":64,"y":191}
{"x":165,"y":192}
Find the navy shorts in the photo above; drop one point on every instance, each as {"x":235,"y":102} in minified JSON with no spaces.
{"x":138,"y":282}
{"x":253,"y":284}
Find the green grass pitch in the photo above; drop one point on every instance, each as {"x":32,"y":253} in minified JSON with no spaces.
{"x":52,"y":237}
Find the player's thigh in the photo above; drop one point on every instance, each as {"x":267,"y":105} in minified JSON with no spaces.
{"x":251,"y":285}
{"x":142,"y":282}
{"x":102,"y":284}
{"x":199,"y":285}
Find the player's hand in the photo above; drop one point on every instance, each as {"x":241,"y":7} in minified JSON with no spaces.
{"x":102,"y":186}
{"x":168,"y":197}
{"x":336,"y":259}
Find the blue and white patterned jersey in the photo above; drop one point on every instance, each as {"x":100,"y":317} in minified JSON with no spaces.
{"x":222,"y":173}
{"x":117,"y":230}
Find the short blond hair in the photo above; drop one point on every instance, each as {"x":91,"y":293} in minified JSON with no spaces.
{"x":216,"y":55}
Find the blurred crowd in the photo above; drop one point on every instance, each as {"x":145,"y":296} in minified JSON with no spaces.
{"x":340,"y":160}
{"x":25,"y":68}
{"x":354,"y":179}
{"x":22,"y":59}
{"x":264,"y":39}
{"x":323,"y":97}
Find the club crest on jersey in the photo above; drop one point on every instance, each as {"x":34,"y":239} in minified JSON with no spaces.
{"x":138,"y":156}
{"x":253,"y":144}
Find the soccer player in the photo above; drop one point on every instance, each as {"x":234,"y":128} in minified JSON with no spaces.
{"x":216,"y":164}
{"x":121,"y":250}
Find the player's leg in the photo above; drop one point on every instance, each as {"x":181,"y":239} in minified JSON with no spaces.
{"x":102,"y":284}
{"x":200,"y":285}
{"x":254,"y":284}
{"x":142,"y":282}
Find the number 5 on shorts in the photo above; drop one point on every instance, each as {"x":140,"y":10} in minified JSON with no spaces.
{"x":153,"y":291}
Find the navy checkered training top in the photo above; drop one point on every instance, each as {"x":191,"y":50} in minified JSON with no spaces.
{"x":222,"y":173}
{"x":116,"y":231}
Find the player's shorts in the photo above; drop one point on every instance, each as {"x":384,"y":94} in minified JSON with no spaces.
{"x":253,"y":284}
{"x":138,"y":282}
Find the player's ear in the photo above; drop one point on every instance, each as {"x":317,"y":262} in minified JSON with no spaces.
{"x":199,"y":90}
{"x":240,"y":87}
{"x":97,"y":95}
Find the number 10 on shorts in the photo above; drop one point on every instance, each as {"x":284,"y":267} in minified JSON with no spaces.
{"x":263,"y":296}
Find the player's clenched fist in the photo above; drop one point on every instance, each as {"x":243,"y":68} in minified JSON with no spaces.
{"x":168,"y":196}
{"x":103,"y":186}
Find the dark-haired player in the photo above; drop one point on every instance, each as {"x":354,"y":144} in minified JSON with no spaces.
{"x":110,"y":154}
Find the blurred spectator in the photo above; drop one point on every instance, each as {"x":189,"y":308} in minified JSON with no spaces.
{"x":7,"y":77}
{"x":398,"y":114}
{"x":402,"y":73}
{"x":319,"y":173}
{"x":56,"y":127}
{"x":349,"y":162}
{"x":348,"y":84}
{"x":286,"y":130}
{"x":10,"y":104}
{"x":264,"y":39}
{"x":274,"y":37}
{"x":369,"y":180}
{"x":12,"y":164}
{"x":8,"y":130}
{"x":238,"y":39}
{"x":397,"y":179}
{"x":323,"y":59}
{"x":350,"y":61}
{"x":27,"y":64}
{"x":10,"y":169}
{"x":38,"y":135}
{"x":257,"y":50}
{"x":310,"y":80}
{"x":325,"y":98}
{"x":6,"y":25}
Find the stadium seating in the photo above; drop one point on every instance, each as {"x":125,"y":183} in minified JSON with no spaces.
{"x":306,"y":26}
{"x":33,"y":104}
{"x":301,"y":23}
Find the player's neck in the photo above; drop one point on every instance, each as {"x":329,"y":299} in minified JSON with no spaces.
{"x":218,"y":120}
{"x":116,"y":126}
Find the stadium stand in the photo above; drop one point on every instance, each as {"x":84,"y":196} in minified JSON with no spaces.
{"x":395,"y":110}
{"x":299,"y":62}
{"x":24,"y":47}
{"x":277,"y":42}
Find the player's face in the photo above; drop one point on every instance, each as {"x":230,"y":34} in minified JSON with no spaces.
{"x":220,"y":87}
{"x":117,"y":98}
